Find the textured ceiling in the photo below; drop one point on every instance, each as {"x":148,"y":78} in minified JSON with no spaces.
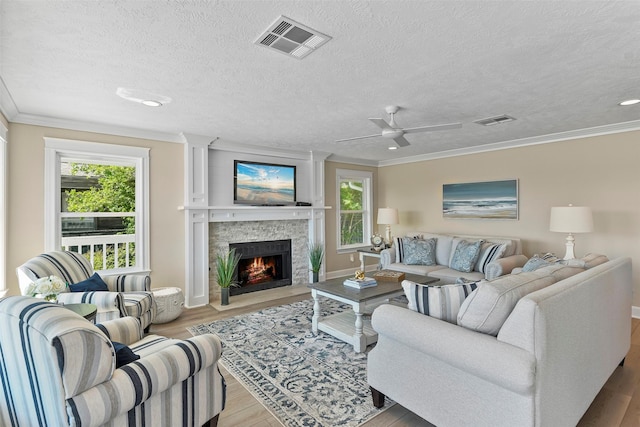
{"x":556,"y":66}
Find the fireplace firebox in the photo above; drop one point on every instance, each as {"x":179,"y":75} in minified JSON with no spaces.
{"x":262,"y":265}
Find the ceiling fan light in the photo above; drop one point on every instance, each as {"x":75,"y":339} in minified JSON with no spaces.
{"x":151,"y":103}
{"x":392,"y":147}
{"x":629,"y":102}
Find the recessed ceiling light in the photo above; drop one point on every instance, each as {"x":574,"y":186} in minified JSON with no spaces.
{"x":630,"y":102}
{"x":146,"y":98}
{"x":393,"y":147}
{"x":151,"y":103}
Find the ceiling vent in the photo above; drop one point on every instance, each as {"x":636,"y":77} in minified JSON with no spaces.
{"x":291,"y":38}
{"x":495,"y":120}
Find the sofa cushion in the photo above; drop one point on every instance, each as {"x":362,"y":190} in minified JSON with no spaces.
{"x":443,"y":247}
{"x":488,"y":307}
{"x":591,"y":260}
{"x":449,"y":275}
{"x":441,"y":302}
{"x":419,"y":251}
{"x":464,"y":255}
{"x":423,"y":270}
{"x":489,"y":252}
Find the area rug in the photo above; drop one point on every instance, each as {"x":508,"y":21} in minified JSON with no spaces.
{"x":302,"y":378}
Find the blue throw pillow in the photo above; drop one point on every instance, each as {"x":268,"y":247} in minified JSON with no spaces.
{"x":93,"y":283}
{"x":465,"y":256}
{"x":535,"y":263}
{"x":419,"y":251}
{"x":124,"y":354}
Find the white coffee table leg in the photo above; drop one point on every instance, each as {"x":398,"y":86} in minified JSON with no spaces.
{"x":316,"y":311}
{"x":359,"y":340}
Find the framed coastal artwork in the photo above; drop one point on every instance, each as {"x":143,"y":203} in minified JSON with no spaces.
{"x":481,"y":200}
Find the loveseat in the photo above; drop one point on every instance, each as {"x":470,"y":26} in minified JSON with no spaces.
{"x":59,"y":369}
{"x":531,"y":359}
{"x":497,"y":256}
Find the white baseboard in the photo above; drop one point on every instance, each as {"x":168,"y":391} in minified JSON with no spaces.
{"x":635,"y":312}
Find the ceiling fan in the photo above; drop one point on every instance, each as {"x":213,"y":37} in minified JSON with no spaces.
{"x":391,"y":130}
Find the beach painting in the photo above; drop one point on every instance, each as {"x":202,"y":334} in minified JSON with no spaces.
{"x":262,"y":183}
{"x":481,"y":200}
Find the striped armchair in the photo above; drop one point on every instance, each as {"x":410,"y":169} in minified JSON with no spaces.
{"x":129,"y":295}
{"x":58,"y":369}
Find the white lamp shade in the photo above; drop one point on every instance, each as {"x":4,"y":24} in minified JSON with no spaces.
{"x":571,"y":219}
{"x":387,"y":216}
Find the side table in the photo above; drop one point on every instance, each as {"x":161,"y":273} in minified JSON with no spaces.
{"x":362,"y":253}
{"x":88,"y":311}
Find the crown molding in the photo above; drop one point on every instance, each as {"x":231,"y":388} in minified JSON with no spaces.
{"x":31,"y":119}
{"x":7,"y":105}
{"x":361,"y":162}
{"x":523,"y":142}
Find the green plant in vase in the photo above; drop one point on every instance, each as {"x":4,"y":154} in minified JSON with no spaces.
{"x":316,"y":256}
{"x":226,"y":265}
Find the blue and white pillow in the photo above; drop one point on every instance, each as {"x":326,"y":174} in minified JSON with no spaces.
{"x":441,"y":302}
{"x":419,"y":251}
{"x":465,"y":255}
{"x":489,"y":252}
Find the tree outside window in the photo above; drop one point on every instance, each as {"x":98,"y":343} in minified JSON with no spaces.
{"x":354,"y":215}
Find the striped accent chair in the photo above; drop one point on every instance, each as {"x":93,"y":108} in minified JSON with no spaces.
{"x":58,"y":369}
{"x":129,"y":295}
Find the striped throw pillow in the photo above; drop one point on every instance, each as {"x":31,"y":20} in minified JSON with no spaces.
{"x":489,"y":253}
{"x":441,"y":302}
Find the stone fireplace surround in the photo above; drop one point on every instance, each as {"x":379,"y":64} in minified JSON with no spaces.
{"x":223,"y":233}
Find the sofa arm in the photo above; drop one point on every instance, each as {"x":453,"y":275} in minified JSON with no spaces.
{"x":503,"y":266}
{"x":502,"y":364}
{"x":387,"y":257}
{"x":128,"y":282}
{"x":136,"y":382}
{"x":126,"y":330}
{"x":110,"y":304}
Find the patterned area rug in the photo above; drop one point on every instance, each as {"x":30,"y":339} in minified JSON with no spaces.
{"x":302,"y":378}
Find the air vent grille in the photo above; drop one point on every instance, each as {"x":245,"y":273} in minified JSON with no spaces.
{"x":291,"y":38}
{"x":490,"y":121}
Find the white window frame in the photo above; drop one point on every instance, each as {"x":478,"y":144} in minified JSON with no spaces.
{"x":367,"y":202}
{"x":56,"y":149}
{"x":3,"y":210}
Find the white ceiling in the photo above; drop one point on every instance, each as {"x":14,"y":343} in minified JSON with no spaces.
{"x":556,"y":66}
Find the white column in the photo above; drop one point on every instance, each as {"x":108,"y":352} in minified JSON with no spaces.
{"x":3,"y":210}
{"x":317,"y":219}
{"x":196,"y":203}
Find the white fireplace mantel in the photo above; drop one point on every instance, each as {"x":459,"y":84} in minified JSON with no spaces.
{"x":199,"y":213}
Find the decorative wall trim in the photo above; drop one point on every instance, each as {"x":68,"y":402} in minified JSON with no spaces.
{"x":635,"y":312}
{"x":7,"y":105}
{"x":3,"y":209}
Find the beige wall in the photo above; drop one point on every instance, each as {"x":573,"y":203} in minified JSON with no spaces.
{"x":26,"y":200}
{"x":601,"y":172}
{"x":333,"y":260}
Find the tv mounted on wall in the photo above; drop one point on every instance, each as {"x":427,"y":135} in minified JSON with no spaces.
{"x":256,"y":183}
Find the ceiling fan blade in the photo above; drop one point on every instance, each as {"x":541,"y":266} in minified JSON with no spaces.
{"x":401,"y":141}
{"x":432,"y":128}
{"x":358,"y":137}
{"x":381,"y":124}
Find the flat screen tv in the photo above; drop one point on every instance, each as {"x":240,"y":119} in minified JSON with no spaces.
{"x":256,"y":183}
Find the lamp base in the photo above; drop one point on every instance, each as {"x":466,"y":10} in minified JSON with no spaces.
{"x":387,"y":236}
{"x":570,"y":245}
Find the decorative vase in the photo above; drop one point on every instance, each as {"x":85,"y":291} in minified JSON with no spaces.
{"x":315,"y":276}
{"x":224,"y":296}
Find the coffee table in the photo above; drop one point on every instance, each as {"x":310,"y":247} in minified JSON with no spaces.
{"x":350,"y":326}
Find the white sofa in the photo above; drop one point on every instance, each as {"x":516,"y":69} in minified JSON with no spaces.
{"x":445,"y":244}
{"x":550,"y":358}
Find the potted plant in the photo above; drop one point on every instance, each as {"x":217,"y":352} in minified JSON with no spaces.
{"x":316,"y":255}
{"x":226,"y":264}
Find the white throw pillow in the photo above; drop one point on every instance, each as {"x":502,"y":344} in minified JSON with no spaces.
{"x":489,"y":253}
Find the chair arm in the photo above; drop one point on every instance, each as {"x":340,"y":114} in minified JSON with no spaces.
{"x":126,"y":330}
{"x":503,"y":266}
{"x":103,"y":300}
{"x":387,"y":257}
{"x":497,"y":362}
{"x":136,"y":382}
{"x":128,"y":282}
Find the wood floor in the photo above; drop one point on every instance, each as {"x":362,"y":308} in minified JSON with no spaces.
{"x":617,"y":404}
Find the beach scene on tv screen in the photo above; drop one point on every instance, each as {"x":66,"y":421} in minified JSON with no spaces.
{"x":261,"y":184}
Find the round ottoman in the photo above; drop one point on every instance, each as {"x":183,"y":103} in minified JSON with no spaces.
{"x":169,"y":304}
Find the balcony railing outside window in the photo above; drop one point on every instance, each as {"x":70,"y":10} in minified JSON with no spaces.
{"x":115,"y":251}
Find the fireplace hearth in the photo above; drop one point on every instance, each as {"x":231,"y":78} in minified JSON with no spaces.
{"x":262,"y":265}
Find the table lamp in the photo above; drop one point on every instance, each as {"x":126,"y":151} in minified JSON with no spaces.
{"x":387,"y":216}
{"x":571,"y":219}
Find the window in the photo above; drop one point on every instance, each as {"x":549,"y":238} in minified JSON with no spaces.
{"x":354,"y":203}
{"x":96,"y":203}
